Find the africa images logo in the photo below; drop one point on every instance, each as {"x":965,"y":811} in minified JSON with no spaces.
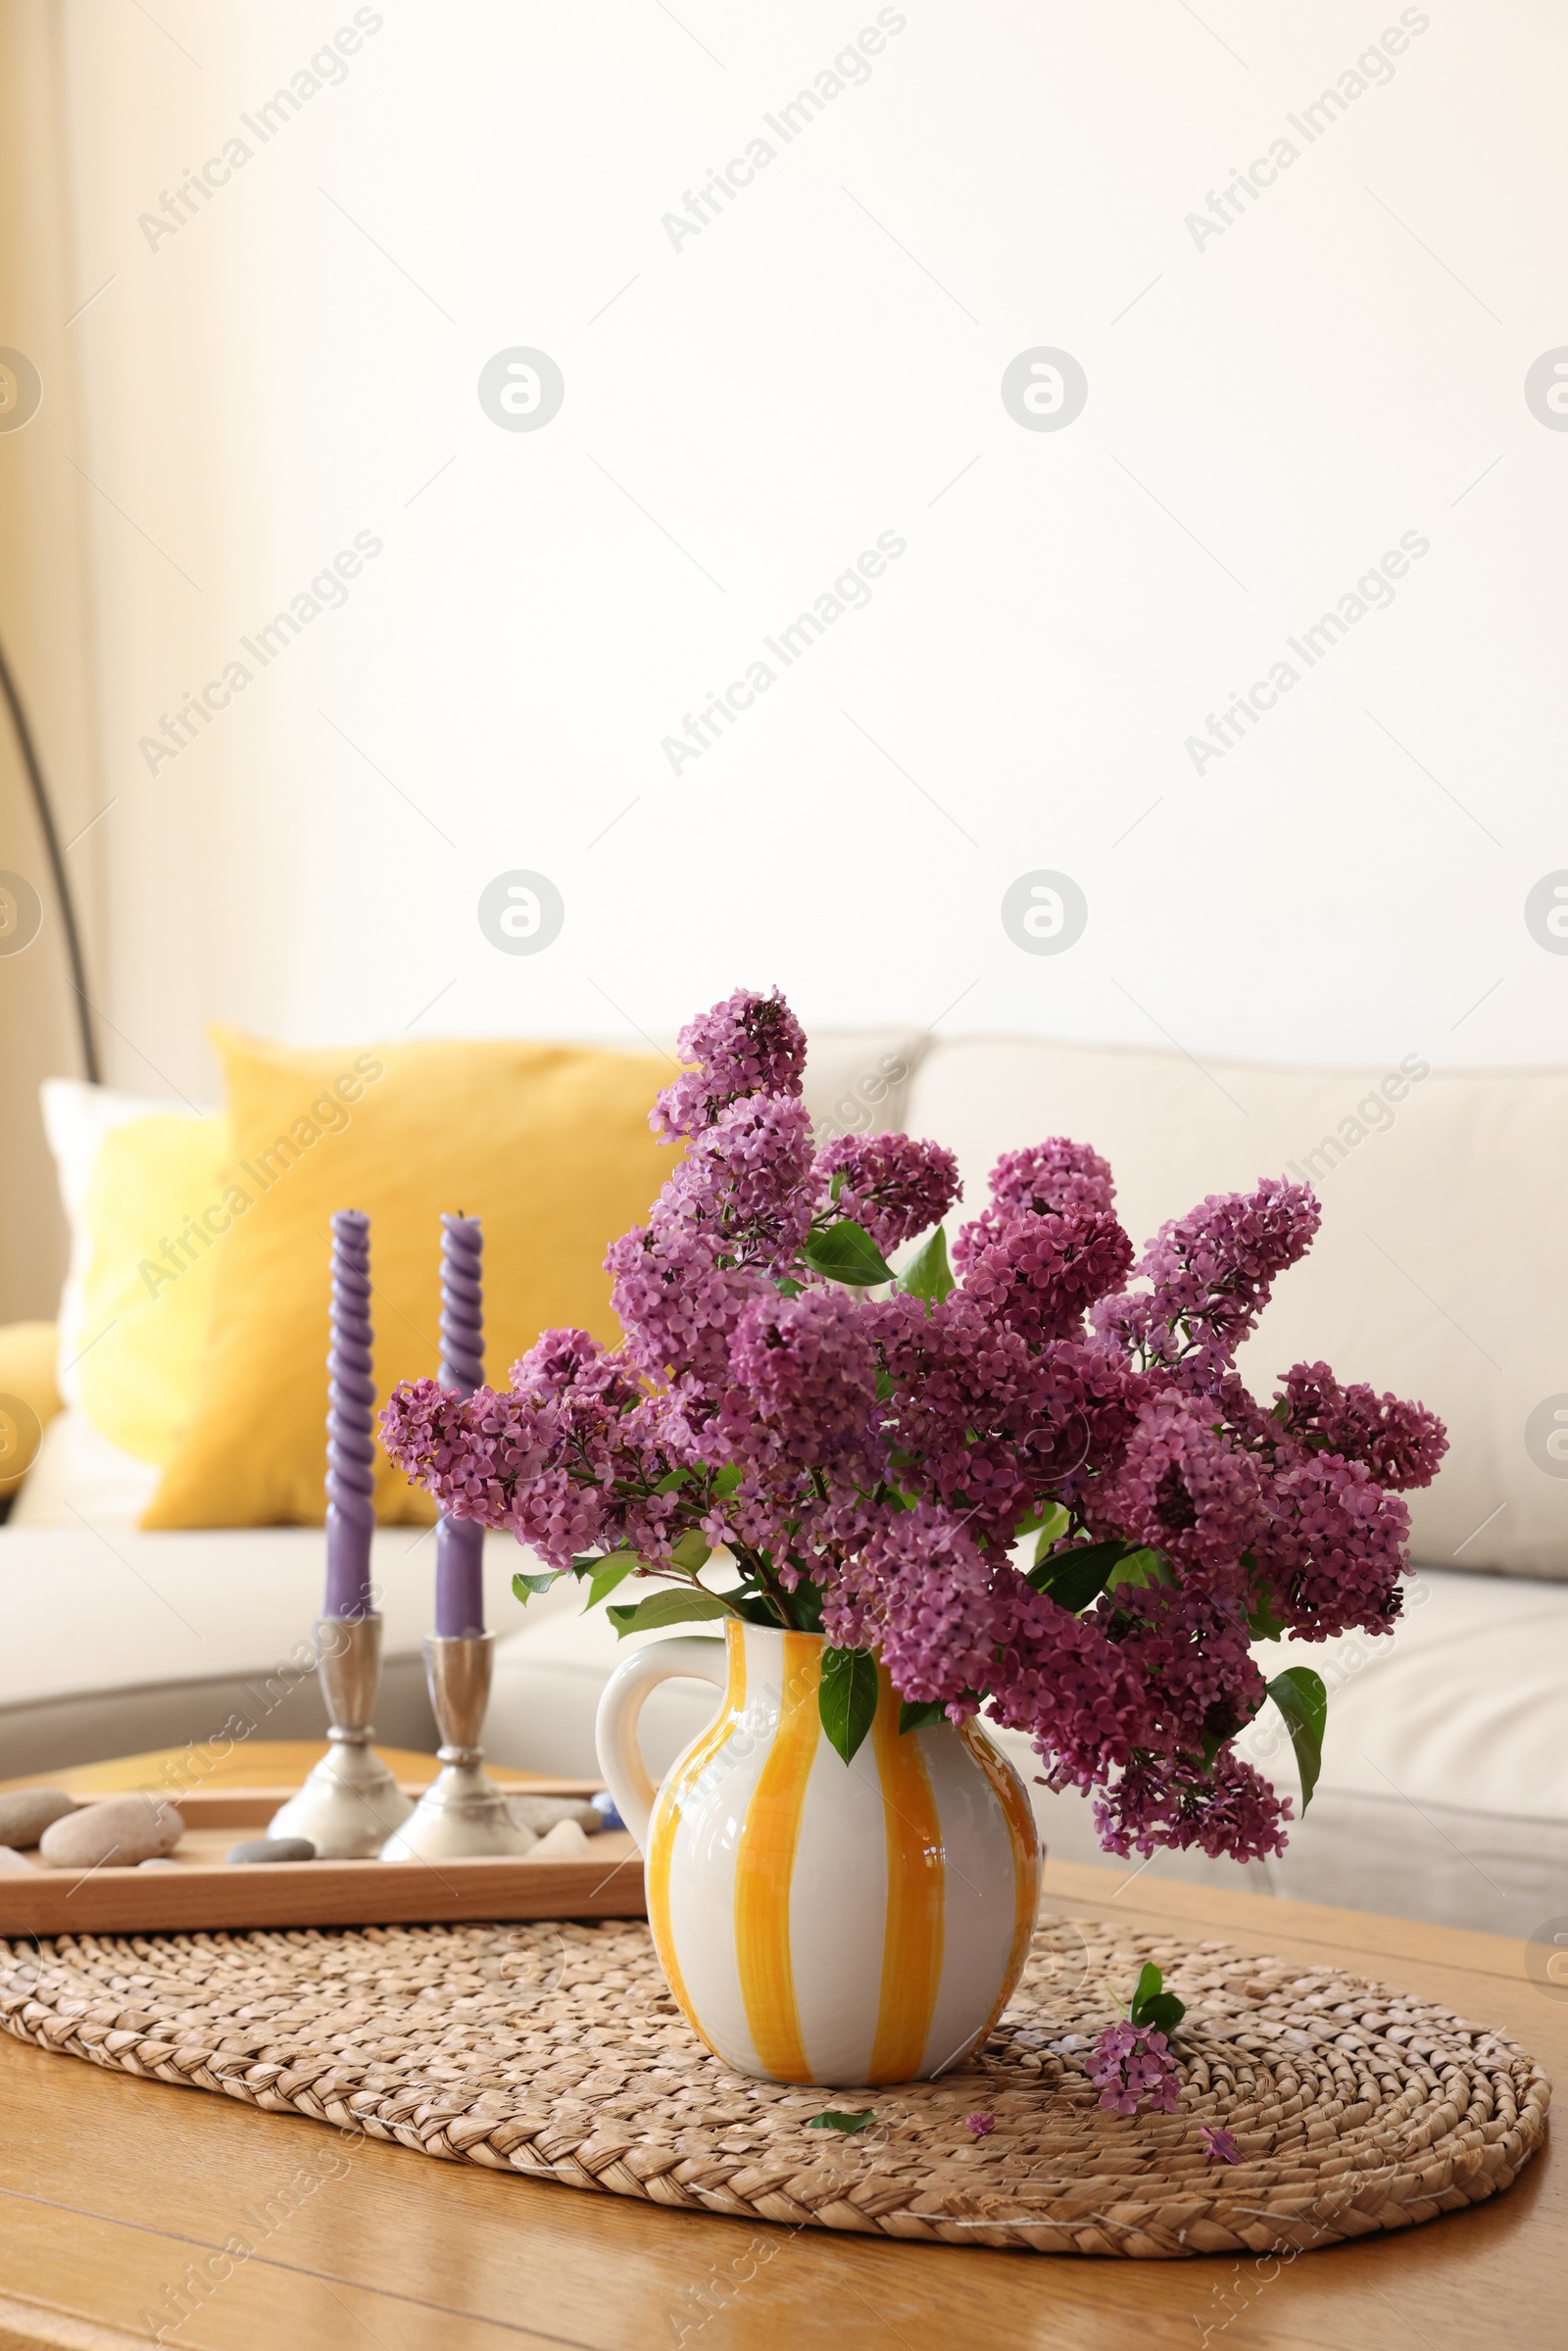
{"x":521,"y":912}
{"x":522,"y":389}
{"x":21,"y":390}
{"x":1546,"y":389}
{"x":1045,"y":912}
{"x":1043,"y":389}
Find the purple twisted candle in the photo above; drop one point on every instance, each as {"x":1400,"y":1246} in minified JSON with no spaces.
{"x":460,"y":1542}
{"x":350,"y":1422}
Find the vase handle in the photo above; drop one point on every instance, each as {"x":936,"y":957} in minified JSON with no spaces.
{"x":620,"y":1758}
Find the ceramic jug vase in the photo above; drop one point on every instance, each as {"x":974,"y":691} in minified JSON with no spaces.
{"x":821,"y":1921}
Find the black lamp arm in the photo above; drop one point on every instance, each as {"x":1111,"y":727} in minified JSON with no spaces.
{"x":56,"y":865}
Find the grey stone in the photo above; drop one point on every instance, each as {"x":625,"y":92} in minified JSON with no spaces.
{"x":119,"y":1830}
{"x":11,"y":1859}
{"x":541,"y":1813}
{"x":271,"y":1848}
{"x":26,"y":1812}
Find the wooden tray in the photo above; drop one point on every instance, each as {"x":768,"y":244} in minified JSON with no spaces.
{"x":205,"y":1892}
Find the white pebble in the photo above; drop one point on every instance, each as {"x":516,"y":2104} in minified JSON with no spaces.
{"x":565,"y":1842}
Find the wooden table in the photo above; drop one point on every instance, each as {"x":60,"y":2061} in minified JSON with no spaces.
{"x":110,"y":2187}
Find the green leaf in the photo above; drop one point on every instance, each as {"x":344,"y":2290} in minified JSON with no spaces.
{"x":1052,"y":1527}
{"x":524,"y":1586}
{"x":668,"y":1608}
{"x":846,"y":1252}
{"x":609,"y":1573}
{"x":1302,"y":1698}
{"x":833,"y":2120}
{"x":748,"y":1600}
{"x":918,"y":1713}
{"x":1141,"y":1568}
{"x":1075,"y":1577}
{"x":1165,"y":2012}
{"x":692,"y":1552}
{"x":1152,"y":2004}
{"x":1151,"y":1979}
{"x":929,"y":1275}
{"x":676,"y":1477}
{"x":805,"y":1605}
{"x":1262,"y":1623}
{"x":847,"y":1698}
{"x":727,"y":1478}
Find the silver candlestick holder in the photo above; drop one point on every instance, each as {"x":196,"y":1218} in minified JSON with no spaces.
{"x":463,"y":1813}
{"x":351,"y":1801}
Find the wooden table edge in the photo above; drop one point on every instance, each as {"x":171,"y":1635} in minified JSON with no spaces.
{"x":35,"y":2326}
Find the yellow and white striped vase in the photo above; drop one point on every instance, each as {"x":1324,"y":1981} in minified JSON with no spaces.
{"x":819,"y":1921}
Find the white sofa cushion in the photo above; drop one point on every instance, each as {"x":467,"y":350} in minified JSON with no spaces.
{"x":118,"y":1641}
{"x":858,"y":1080}
{"x":77,"y":1119}
{"x":1435,"y":1273}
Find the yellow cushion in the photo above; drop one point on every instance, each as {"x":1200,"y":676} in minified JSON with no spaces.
{"x":152,"y":1206}
{"x":29,"y":1397}
{"x":548,"y":1144}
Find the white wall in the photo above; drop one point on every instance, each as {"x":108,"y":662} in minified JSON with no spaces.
{"x":817,"y":365}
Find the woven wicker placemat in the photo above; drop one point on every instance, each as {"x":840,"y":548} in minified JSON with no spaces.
{"x":557,"y":2051}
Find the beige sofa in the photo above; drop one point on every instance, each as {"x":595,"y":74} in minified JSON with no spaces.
{"x":1444,"y":1785}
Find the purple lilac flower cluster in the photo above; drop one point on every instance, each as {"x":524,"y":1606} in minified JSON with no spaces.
{"x":870,"y":1453}
{"x":1132,"y":2066}
{"x":892,"y":1185}
{"x":748,"y":1044}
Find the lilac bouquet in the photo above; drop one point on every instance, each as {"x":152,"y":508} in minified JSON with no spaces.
{"x":871,"y":1447}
